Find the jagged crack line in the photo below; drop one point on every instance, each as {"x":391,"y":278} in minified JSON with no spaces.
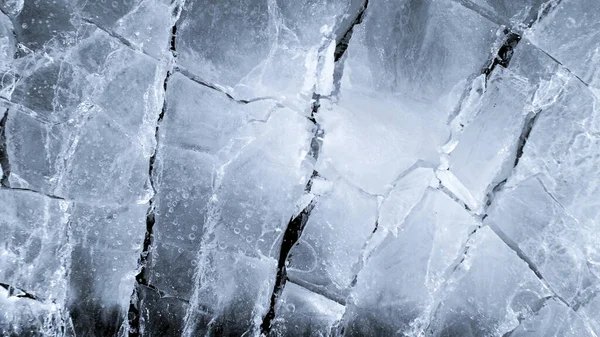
{"x":290,"y":238}
{"x":33,"y":191}
{"x":451,"y":270}
{"x":523,"y":137}
{"x":360,"y":264}
{"x":296,"y":224}
{"x":342,"y":42}
{"x":502,"y":58}
{"x":4,"y":12}
{"x":4,"y":163}
{"x":141,"y":277}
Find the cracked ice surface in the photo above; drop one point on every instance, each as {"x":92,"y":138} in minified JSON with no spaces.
{"x":299,"y":168}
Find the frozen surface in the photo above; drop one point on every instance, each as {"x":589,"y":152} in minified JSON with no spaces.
{"x":489,"y":291}
{"x":321,"y":258}
{"x":571,"y":34}
{"x":299,"y":168}
{"x":395,"y":290}
{"x":304,"y":313}
{"x":553,"y":319}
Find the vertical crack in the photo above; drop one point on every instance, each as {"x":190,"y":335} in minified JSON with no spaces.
{"x":502,"y":59}
{"x":142,"y":278}
{"x":4,"y":163}
{"x":296,"y":224}
{"x":343,"y":41}
{"x":524,"y":137}
{"x":290,"y":238}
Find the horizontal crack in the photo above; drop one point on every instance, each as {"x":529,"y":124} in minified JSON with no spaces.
{"x":33,"y":191}
{"x":218,"y":88}
{"x":18,"y":292}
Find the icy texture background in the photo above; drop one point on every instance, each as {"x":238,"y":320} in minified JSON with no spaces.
{"x":300,"y":168}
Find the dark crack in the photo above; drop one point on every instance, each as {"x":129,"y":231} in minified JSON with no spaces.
{"x":530,"y":122}
{"x":523,"y":138}
{"x":454,"y":268}
{"x":18,"y":292}
{"x":292,"y":234}
{"x":527,"y":127}
{"x":142,"y":278}
{"x":296,"y":224}
{"x":456,"y":199}
{"x":344,"y":39}
{"x":505,"y":52}
{"x":4,"y":163}
{"x":3,"y":11}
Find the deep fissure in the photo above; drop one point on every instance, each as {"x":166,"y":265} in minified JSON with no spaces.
{"x":141,"y":278}
{"x":505,"y":52}
{"x":342,"y":44}
{"x":4,"y":163}
{"x":296,"y":224}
